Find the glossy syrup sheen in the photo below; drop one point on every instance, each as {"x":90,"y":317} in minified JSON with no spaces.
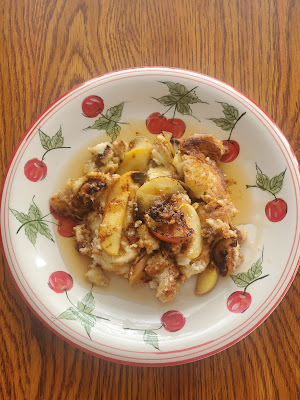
{"x":236,"y":177}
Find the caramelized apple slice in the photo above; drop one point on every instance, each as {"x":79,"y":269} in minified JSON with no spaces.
{"x":194,"y":247}
{"x":136,"y":159}
{"x":137,"y":273}
{"x":111,"y":226}
{"x":130,"y":181}
{"x":177,"y":232}
{"x":207,"y":280}
{"x":155,"y":189}
{"x":174,"y":235}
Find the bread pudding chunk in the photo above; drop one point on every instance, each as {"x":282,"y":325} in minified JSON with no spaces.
{"x":154,"y":213}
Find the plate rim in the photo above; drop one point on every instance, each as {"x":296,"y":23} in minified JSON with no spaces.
{"x":87,"y":83}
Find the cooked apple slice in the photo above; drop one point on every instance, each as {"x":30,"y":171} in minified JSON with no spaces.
{"x":139,"y":141}
{"x":172,"y":234}
{"x":137,"y":273}
{"x":152,"y":190}
{"x":207,"y":280}
{"x":194,"y":247}
{"x":136,"y":159}
{"x":177,"y":162}
{"x":111,"y":226}
{"x":130,"y":182}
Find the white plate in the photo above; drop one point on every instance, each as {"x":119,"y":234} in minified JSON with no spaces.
{"x":199,"y":326}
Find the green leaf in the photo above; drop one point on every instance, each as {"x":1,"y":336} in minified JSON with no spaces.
{"x":100,"y":124}
{"x":70,"y":314}
{"x":87,"y":304}
{"x":275,"y":184}
{"x":169,"y":100}
{"x":256,"y":269}
{"x":192,"y":98}
{"x":150,"y":337}
{"x":223,"y":123}
{"x":110,"y":125}
{"x":176,"y":88}
{"x":21,"y":217}
{"x":114,"y":132}
{"x":88,"y":328}
{"x":115,"y":113}
{"x":57,"y":140}
{"x":230,"y":112}
{"x":241,"y":280}
{"x":184,"y":108}
{"x":45,"y":140}
{"x":34,"y":212}
{"x":262,"y":181}
{"x":86,"y":320}
{"x":44,"y":230}
{"x":31,"y":232}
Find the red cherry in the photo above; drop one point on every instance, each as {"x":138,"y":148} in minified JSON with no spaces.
{"x":276,"y":210}
{"x":175,"y":126}
{"x":155,"y":123}
{"x":92,"y":106}
{"x":173,"y":321}
{"x":54,"y":213}
{"x":60,"y":281}
{"x":65,"y":226}
{"x":35,"y":170}
{"x":238,"y":302}
{"x":232,"y":150}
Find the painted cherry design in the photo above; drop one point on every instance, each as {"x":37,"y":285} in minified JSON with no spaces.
{"x":92,"y":106}
{"x":239,"y":301}
{"x":54,"y":213}
{"x":35,"y":170}
{"x":60,"y":281}
{"x":175,"y":126}
{"x":173,"y":321}
{"x":228,"y":123}
{"x":65,"y":226}
{"x":276,"y":210}
{"x":232,"y":150}
{"x":156,"y":123}
{"x":180,"y":100}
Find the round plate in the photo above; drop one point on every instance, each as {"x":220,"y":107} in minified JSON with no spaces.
{"x":128,"y":324}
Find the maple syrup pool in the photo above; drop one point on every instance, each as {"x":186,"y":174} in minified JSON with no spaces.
{"x":236,"y":176}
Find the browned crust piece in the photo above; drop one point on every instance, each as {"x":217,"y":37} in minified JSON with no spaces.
{"x":198,"y":144}
{"x":78,"y":197}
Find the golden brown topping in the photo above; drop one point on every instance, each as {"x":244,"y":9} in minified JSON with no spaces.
{"x":198,"y":145}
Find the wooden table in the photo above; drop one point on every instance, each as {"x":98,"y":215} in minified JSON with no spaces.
{"x":49,"y":46}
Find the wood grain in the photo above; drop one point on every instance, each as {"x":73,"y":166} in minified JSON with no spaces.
{"x":49,"y":46}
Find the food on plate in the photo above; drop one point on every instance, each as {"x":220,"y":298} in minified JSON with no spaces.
{"x":207,"y":279}
{"x":155,"y":213}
